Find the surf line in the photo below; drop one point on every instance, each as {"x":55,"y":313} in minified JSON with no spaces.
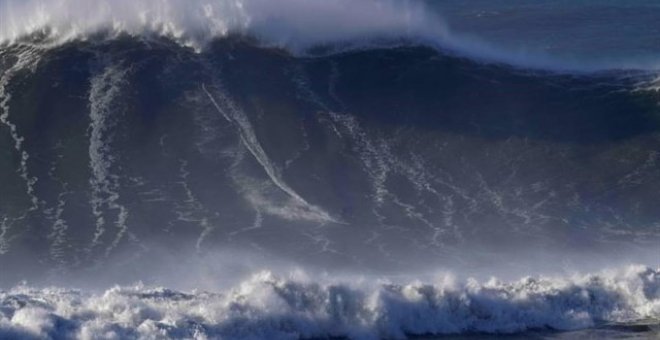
{"x":248,"y":137}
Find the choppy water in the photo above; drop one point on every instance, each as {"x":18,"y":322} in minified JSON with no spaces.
{"x":267,"y":306}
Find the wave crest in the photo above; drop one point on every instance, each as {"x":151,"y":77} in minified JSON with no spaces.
{"x":294,"y":24}
{"x":268,"y":306}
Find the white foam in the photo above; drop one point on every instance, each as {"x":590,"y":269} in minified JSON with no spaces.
{"x":105,"y":88}
{"x":5,"y":227}
{"x":27,"y":59}
{"x":58,"y":233}
{"x":191,"y":209}
{"x":293,"y":23}
{"x":296,"y":207}
{"x":269,"y":306}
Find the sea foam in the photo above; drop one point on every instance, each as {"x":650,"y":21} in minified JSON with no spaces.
{"x":282,"y":307}
{"x":288,"y":23}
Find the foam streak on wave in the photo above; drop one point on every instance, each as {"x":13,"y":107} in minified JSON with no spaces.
{"x":26,"y":60}
{"x":268,"y":306}
{"x":58,"y":233}
{"x":5,"y":227}
{"x":191,"y":209}
{"x":105,"y":88}
{"x":226,"y":107}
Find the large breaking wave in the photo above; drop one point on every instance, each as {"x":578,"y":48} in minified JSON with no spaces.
{"x":274,"y":307}
{"x":126,"y":155}
{"x":370,"y":158}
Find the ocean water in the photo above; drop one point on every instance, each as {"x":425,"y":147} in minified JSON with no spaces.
{"x":591,"y":34}
{"x":300,"y":169}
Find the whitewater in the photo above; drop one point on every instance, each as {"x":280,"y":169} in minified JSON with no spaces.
{"x":296,"y":306}
{"x":289,"y":23}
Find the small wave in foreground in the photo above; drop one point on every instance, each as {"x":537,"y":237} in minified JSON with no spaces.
{"x":269,"y":306}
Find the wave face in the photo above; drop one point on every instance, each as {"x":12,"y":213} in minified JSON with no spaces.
{"x":267,"y":306}
{"x":371,"y":159}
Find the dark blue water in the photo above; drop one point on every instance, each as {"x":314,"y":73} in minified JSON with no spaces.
{"x":609,"y":33}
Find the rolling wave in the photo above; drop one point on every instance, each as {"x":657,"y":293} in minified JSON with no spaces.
{"x":275,"y":307}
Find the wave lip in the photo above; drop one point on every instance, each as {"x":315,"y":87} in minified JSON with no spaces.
{"x":267,"y":306}
{"x":288,"y":23}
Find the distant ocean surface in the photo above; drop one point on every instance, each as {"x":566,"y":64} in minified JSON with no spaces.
{"x":590,"y":33}
{"x":299,"y":169}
